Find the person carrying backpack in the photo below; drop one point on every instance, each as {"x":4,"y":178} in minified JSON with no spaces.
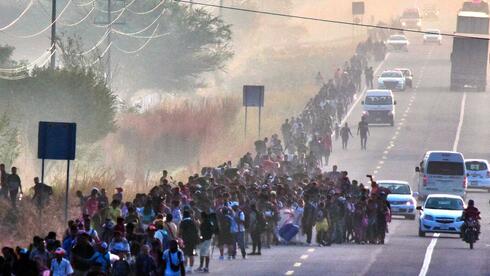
{"x":173,"y":260}
{"x":190,"y":235}
{"x":256,"y":227}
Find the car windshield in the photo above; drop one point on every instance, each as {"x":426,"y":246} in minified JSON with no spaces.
{"x":397,"y":189}
{"x":445,"y":168}
{"x":378,"y":100}
{"x":397,"y":37}
{"x":391,"y":75}
{"x":476,"y":166}
{"x":444,"y":203}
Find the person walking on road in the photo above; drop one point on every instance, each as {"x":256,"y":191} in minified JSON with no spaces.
{"x":363,"y":130}
{"x":344,"y":134}
{"x":369,"y":75}
{"x":337,"y":131}
{"x":14,"y":185}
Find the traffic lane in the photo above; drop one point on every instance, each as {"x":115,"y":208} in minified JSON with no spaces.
{"x":359,"y":162}
{"x":474,"y":143}
{"x":274,"y":261}
{"x":452,"y":256}
{"x":431,"y":122}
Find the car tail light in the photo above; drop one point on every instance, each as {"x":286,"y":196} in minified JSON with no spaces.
{"x":465,"y":183}
{"x":426,"y":180}
{"x":488,"y":174}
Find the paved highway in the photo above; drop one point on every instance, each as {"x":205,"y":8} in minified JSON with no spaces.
{"x":429,"y":117}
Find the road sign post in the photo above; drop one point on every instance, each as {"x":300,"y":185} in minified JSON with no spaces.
{"x":253,"y":96}
{"x":57,"y":141}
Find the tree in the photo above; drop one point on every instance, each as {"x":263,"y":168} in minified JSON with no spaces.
{"x":60,"y":95}
{"x":9,"y":143}
{"x":196,"y":42}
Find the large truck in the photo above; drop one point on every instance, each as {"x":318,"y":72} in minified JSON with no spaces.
{"x":469,"y":58}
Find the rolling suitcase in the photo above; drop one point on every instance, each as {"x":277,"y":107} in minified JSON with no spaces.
{"x":288,"y":231}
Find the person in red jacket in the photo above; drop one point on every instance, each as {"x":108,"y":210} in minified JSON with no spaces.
{"x":471,"y":212}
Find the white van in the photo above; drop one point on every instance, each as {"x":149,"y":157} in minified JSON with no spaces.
{"x":379,"y":107}
{"x":442,"y":172}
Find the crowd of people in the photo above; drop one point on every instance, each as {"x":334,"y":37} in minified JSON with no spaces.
{"x":282,"y":195}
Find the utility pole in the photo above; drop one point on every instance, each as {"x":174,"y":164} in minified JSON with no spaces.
{"x":220,"y":8}
{"x":109,"y":41}
{"x":53,"y":34}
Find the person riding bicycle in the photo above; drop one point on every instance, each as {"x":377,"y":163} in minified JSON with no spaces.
{"x":471,"y":212}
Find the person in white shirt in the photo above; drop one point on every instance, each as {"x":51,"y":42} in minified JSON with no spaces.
{"x":59,"y":265}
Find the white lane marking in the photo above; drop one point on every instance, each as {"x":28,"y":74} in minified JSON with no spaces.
{"x":378,"y":167}
{"x":430,"y":248}
{"x":375,"y":172}
{"x":290,"y":272}
{"x":297,"y":264}
{"x":460,"y":124}
{"x":304,"y":257}
{"x":428,"y":255}
{"x":346,"y":117}
{"x":311,"y":250}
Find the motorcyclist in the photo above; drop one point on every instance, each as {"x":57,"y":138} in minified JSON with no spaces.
{"x":471,"y":212}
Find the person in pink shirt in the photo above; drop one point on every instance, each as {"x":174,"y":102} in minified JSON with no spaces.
{"x":92,"y":203}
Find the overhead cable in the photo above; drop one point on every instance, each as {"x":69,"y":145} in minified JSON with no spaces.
{"x":148,"y":11}
{"x":117,"y":11}
{"x":142,"y":46}
{"x":26,"y":66}
{"x":325,"y":20}
{"x":79,"y":21}
{"x":121,"y":13}
{"x":86,"y":4}
{"x":103,"y":37}
{"x":18,"y":17}
{"x":48,"y":27}
{"x":142,"y":30}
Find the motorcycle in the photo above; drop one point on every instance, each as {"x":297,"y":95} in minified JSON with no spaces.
{"x":470,"y":234}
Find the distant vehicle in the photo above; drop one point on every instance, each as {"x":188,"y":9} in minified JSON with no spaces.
{"x":401,"y":198}
{"x":379,"y":107}
{"x":478,"y":173}
{"x":407,"y":73}
{"x":469,"y":58}
{"x":392,"y":79}
{"x":397,"y":42}
{"x":433,"y":36}
{"x":411,"y":18}
{"x":442,"y":172}
{"x":441,"y":213}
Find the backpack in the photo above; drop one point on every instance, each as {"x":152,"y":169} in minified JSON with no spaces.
{"x":165,"y":239}
{"x":120,"y":267}
{"x":174,"y":267}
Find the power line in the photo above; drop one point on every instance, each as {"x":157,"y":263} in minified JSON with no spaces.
{"x":79,"y":21}
{"x":142,"y":46}
{"x":47,"y":27}
{"x":103,"y":37}
{"x":323,"y":20}
{"x":142,"y":30}
{"x":86,"y":4}
{"x":18,"y":17}
{"x":148,"y":11}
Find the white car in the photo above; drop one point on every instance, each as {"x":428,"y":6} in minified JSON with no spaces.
{"x":397,"y":42}
{"x":433,"y":36}
{"x":401,"y":198}
{"x":441,"y":213}
{"x":393,"y":80}
{"x":478,"y":173}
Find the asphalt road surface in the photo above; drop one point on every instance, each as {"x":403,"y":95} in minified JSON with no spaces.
{"x":428,"y":117}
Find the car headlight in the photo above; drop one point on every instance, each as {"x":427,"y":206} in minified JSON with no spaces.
{"x":429,"y":217}
{"x":459,"y":218}
{"x":409,"y":203}
{"x":419,"y":23}
{"x":404,"y":23}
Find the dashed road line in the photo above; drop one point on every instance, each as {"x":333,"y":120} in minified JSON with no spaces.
{"x":290,"y":272}
{"x":297,"y":264}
